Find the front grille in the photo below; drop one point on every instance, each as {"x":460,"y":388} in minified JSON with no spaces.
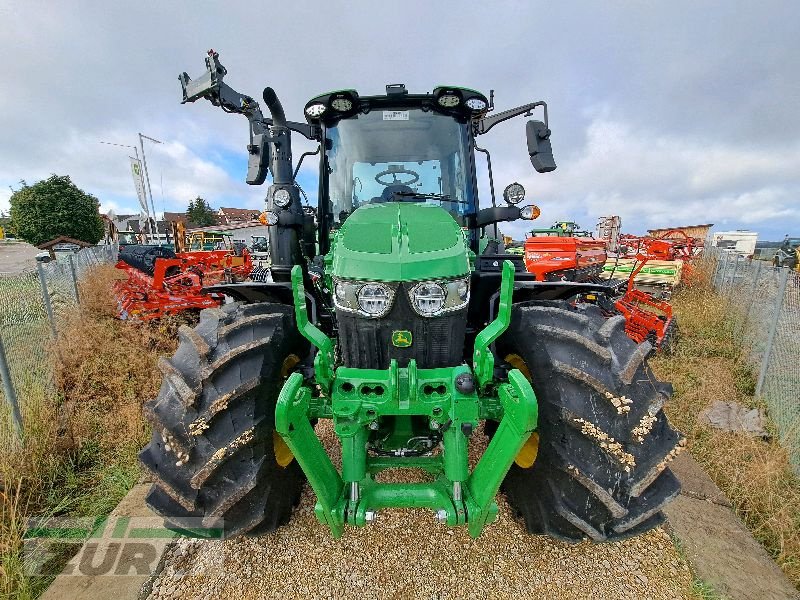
{"x":367,"y":343}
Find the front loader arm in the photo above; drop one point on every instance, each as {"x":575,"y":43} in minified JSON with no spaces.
{"x":212,"y":87}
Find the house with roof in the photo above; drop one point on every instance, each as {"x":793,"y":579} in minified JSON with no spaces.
{"x":229,"y":216}
{"x":134,"y":229}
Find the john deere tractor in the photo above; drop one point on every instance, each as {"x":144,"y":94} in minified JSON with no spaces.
{"x":394,"y":311}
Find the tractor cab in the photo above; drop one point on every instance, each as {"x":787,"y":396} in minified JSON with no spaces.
{"x":412,"y":148}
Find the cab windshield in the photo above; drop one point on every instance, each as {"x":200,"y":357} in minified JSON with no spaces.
{"x":406,"y":155}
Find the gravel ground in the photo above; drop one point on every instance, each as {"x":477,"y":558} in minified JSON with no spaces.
{"x":404,"y":554}
{"x":16,"y":257}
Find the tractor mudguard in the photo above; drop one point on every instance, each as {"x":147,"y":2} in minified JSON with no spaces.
{"x":252,"y":292}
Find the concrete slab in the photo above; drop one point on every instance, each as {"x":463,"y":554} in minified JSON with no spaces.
{"x":120,"y":559}
{"x":719,"y":547}
{"x":695,"y":481}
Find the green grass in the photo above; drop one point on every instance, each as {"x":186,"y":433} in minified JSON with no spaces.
{"x":81,"y":404}
{"x":702,"y":590}
{"x":754,"y":473}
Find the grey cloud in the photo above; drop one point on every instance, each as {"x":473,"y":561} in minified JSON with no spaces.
{"x":700,"y":97}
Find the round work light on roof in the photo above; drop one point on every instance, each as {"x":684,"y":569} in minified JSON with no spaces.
{"x":449,"y":100}
{"x":315,"y":110}
{"x":476,"y":104}
{"x":342,"y":104}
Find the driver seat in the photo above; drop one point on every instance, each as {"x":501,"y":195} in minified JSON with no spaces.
{"x":387,"y":195}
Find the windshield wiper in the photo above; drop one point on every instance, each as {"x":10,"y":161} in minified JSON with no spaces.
{"x":422,"y":196}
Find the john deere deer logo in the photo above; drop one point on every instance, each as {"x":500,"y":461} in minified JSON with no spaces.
{"x":401,"y":339}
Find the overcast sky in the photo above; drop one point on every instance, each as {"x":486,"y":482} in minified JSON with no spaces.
{"x":667,"y":113}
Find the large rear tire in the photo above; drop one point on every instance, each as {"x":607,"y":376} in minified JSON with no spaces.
{"x":218,"y":465}
{"x":604,"y":441}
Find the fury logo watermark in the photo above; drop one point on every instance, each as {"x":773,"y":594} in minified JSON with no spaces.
{"x":114,"y":546}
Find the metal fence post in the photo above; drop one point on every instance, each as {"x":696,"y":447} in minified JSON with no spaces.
{"x":46,"y":297}
{"x":772,"y":329}
{"x":8,"y":390}
{"x":735,"y":271}
{"x":74,"y":279}
{"x":752,"y":295}
{"x":721,"y":280}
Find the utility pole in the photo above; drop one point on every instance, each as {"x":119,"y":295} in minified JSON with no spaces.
{"x":143,"y":137}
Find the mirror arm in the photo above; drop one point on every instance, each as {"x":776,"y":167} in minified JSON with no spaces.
{"x":489,"y":167}
{"x":486,"y":123}
{"x":302,"y":158}
{"x":495,"y":214}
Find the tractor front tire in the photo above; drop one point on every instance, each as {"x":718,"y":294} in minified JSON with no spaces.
{"x":604,"y":442}
{"x":219,"y":467}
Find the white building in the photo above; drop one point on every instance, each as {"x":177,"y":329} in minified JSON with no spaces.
{"x":241,"y":232}
{"x":740,"y":241}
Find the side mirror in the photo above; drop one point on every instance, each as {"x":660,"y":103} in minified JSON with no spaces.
{"x":539,"y":148}
{"x":258,"y":160}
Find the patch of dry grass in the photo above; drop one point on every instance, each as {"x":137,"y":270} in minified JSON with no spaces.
{"x":754,"y":473}
{"x":82,"y":441}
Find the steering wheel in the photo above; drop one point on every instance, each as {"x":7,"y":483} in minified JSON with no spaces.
{"x":394,"y":171}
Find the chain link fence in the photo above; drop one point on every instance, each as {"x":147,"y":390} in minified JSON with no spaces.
{"x":764,"y":303}
{"x":32,"y":304}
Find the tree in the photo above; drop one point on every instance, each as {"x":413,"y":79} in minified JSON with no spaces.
{"x":200,"y":213}
{"x":54,"y":207}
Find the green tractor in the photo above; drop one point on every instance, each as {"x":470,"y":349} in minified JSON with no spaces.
{"x":394,"y":311}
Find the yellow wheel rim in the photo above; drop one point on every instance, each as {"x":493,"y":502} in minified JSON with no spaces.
{"x":284,"y":456}
{"x":515,"y":360}
{"x":527,"y":455}
{"x":530,"y":449}
{"x":289,"y":363}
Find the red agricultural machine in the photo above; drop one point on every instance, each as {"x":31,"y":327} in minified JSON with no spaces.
{"x":161,"y":282}
{"x":563,"y":253}
{"x":648,"y":317}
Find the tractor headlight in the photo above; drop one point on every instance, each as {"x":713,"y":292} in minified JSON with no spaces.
{"x":432,"y":298}
{"x":371,"y":299}
{"x":428,"y":298}
{"x":282,"y":198}
{"x":374,"y":299}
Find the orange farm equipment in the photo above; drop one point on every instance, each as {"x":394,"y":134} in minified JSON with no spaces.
{"x":161,"y":282}
{"x":646,"y":317}
{"x":558,"y":254}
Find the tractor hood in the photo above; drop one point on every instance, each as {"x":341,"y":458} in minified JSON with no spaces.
{"x":399,"y":241}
